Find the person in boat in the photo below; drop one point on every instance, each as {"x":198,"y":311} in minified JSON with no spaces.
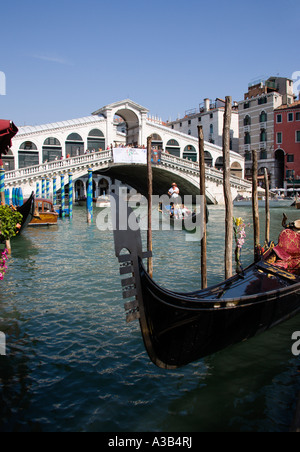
{"x":174,"y":193}
{"x":286,"y":254}
{"x":185,"y":212}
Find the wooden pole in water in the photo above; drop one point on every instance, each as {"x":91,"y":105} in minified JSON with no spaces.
{"x":267,"y":238}
{"x":227,"y":189}
{"x":255,"y":206}
{"x":150,"y":192}
{"x":202,"y":193}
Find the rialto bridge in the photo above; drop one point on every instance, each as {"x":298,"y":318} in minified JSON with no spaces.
{"x":51,"y":150}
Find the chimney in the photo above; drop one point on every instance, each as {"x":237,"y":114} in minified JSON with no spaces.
{"x":206,"y":104}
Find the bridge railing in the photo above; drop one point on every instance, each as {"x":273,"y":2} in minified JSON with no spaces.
{"x":58,"y":165}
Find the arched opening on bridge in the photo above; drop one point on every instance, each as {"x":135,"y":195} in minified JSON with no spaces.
{"x":157,"y":142}
{"x":96,"y":140}
{"x":208,"y":159}
{"x":130,"y":126}
{"x":219,"y":163}
{"x":173,"y":148}
{"x":79,"y":189}
{"x":8,"y":161}
{"x":28,"y":154}
{"x":52,"y":150}
{"x":279,"y":172}
{"x":236,"y":170}
{"x":74,"y":145}
{"x":103,"y":187}
{"x":190,"y":153}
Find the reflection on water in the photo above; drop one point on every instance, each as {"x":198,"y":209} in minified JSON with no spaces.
{"x":73,"y":364}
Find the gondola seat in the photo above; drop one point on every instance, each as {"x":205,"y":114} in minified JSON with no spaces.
{"x":288,"y":251}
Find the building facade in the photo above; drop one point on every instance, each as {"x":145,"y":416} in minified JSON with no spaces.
{"x":256,"y":125}
{"x":210,"y":116}
{"x":287,"y":144}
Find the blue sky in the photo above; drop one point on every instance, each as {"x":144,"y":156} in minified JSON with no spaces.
{"x":65,"y":59}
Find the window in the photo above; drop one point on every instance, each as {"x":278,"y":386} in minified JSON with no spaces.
{"x":246,"y":105}
{"x":279,"y":138}
{"x":247,"y":139}
{"x":263,"y":154}
{"x":199,"y":119}
{"x":189,"y":122}
{"x":298,"y":116}
{"x":290,"y":158}
{"x":262,"y":100}
{"x":279,"y":119}
{"x":263,"y":117}
{"x":247,"y":121}
{"x":211,"y":128}
{"x":211,"y":115}
{"x":248,"y":156}
{"x":180,"y":124}
{"x":297,"y":136}
{"x":263,"y":135}
{"x":290,"y":117}
{"x":289,"y":174}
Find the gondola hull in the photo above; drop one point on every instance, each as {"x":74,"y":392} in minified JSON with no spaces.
{"x":178,"y":328}
{"x":181,"y":329}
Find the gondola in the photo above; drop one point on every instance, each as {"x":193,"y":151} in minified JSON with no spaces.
{"x":179,"y":328}
{"x":182,"y":222}
{"x":27,"y":210}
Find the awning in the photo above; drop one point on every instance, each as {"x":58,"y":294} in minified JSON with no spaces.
{"x":7,"y":131}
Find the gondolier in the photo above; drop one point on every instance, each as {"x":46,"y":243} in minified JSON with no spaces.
{"x":174,"y":193}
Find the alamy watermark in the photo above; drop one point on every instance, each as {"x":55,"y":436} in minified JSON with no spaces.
{"x":296,"y":80}
{"x":296,"y":345}
{"x":2,"y":84}
{"x":167,"y":214}
{"x":2,"y":344}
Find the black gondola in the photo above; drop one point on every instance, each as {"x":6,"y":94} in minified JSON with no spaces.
{"x":27,"y":210}
{"x":188,"y":223}
{"x":179,"y":328}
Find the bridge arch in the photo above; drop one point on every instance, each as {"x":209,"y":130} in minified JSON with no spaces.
{"x":28,"y":154}
{"x":74,"y":145}
{"x":132,"y":124}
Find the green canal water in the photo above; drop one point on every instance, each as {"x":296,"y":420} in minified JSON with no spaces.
{"x":73,"y":364}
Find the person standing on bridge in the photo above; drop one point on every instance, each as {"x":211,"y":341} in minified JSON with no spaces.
{"x":174,"y":193}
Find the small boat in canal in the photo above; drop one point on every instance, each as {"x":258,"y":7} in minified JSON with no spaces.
{"x":45,"y":213}
{"x":182,"y":218}
{"x":179,"y":328}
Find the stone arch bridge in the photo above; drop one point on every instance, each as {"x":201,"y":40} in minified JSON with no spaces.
{"x":184,"y":172}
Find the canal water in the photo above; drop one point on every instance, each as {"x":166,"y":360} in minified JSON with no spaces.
{"x":73,"y":364}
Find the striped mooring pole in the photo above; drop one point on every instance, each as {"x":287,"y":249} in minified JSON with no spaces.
{"x":47,"y":188}
{"x":2,"y":185}
{"x":89,"y":201}
{"x":62,"y":189}
{"x":37,"y":192}
{"x":43,"y":188}
{"x":7,"y":196}
{"x":70,"y":195}
{"x":54,"y":191}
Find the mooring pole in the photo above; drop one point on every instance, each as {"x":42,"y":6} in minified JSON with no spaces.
{"x":203,"y":194}
{"x":70,"y":195}
{"x":227,"y":189}
{"x":89,"y":201}
{"x":150,"y":192}
{"x":255,"y":206}
{"x":267,"y":237}
{"x":62,"y":191}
